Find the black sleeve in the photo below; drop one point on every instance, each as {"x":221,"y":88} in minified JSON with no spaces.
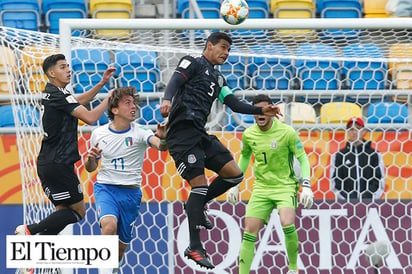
{"x":175,"y":82}
{"x":241,"y":107}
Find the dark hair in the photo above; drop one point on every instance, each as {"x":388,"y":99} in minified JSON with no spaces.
{"x":261,"y":98}
{"x":51,"y":61}
{"x":215,"y":37}
{"x":117,"y":95}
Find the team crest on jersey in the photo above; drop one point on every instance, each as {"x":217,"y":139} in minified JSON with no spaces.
{"x":191,"y":159}
{"x":274,"y":145}
{"x":220,"y":81}
{"x":128,"y":141}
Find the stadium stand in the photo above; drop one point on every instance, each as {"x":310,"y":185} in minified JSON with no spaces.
{"x":401,"y":71}
{"x":293,"y":9}
{"x":88,"y":66}
{"x":258,"y":9}
{"x":137,"y":68}
{"x":375,"y":8}
{"x":21,"y":14}
{"x":387,"y":113}
{"x":317,"y":74}
{"x":299,"y":113}
{"x":150,"y":113}
{"x":238,"y":121}
{"x":362,"y":73}
{"x":272,"y":72}
{"x":208,"y":8}
{"x":340,"y":9}
{"x":27,"y":115}
{"x":7,"y":72}
{"x":111,"y":9}
{"x":234,"y":70}
{"x":339,"y":112}
{"x":31,"y":66}
{"x":53,"y":10}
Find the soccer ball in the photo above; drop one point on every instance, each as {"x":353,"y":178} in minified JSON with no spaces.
{"x":234,"y":12}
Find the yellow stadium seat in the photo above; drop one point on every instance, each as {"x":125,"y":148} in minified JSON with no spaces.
{"x":375,"y":8}
{"x":293,"y":9}
{"x":401,"y":70}
{"x":112,"y":9}
{"x":300,"y":113}
{"x":8,"y":69}
{"x":31,"y":66}
{"x":339,"y":112}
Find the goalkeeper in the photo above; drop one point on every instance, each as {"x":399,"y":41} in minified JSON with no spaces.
{"x":274,"y":146}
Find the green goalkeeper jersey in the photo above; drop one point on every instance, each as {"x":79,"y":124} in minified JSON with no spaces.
{"x":274,"y":152}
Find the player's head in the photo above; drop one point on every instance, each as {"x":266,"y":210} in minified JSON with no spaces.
{"x":123,"y":101}
{"x":217,"y":47}
{"x":264,"y":122}
{"x":57,"y":69}
{"x":355,"y":129}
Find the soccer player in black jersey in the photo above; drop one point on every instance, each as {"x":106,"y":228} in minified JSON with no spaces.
{"x":59,"y":149}
{"x":189,"y":95}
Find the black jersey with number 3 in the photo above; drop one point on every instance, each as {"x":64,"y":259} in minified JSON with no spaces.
{"x":59,"y":143}
{"x":195,"y":98}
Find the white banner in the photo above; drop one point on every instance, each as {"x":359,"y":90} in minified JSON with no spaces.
{"x":62,"y":251}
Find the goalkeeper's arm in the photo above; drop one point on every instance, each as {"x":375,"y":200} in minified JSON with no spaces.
{"x":233,"y":193}
{"x":306,"y":196}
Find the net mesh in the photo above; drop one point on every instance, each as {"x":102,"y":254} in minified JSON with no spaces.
{"x":320,"y":78}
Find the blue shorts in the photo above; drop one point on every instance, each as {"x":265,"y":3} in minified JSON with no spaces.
{"x":122,"y":203}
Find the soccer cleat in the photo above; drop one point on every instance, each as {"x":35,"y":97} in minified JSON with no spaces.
{"x":199,"y":256}
{"x":22,"y":230}
{"x":292,"y":272}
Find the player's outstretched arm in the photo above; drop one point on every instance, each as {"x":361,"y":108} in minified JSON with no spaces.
{"x":241,"y":107}
{"x":87,"y":96}
{"x":306,"y":196}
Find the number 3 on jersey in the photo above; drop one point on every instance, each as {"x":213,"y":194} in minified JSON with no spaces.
{"x":212,"y":89}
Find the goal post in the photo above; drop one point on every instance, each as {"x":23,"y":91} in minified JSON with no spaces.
{"x":318,"y":79}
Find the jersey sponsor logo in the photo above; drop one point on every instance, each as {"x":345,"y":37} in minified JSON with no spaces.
{"x":128,"y":141}
{"x":184,"y":64}
{"x":348,"y":162}
{"x":46,"y":96}
{"x":71,"y":99}
{"x":207,"y":72}
{"x":274,"y":144}
{"x":191,"y":159}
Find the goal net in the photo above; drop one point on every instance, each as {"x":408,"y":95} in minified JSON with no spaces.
{"x":320,"y":72}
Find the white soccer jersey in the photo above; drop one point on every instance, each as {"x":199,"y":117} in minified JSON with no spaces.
{"x":122,"y":154}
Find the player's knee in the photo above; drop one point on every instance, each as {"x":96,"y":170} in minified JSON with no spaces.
{"x":234,"y":180}
{"x":108,"y":226}
{"x":79,"y":213}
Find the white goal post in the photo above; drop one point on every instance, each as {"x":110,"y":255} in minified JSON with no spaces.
{"x":318,"y":90}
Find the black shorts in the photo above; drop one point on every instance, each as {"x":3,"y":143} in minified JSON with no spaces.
{"x":60,"y":183}
{"x":196,"y":152}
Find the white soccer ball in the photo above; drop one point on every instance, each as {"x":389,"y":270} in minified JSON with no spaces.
{"x":234,"y":12}
{"x":376,"y":252}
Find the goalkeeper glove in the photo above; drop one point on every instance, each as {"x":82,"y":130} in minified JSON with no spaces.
{"x":233,"y":195}
{"x":306,"y":196}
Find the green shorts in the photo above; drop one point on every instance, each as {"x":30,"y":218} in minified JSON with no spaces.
{"x":261,"y":207}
